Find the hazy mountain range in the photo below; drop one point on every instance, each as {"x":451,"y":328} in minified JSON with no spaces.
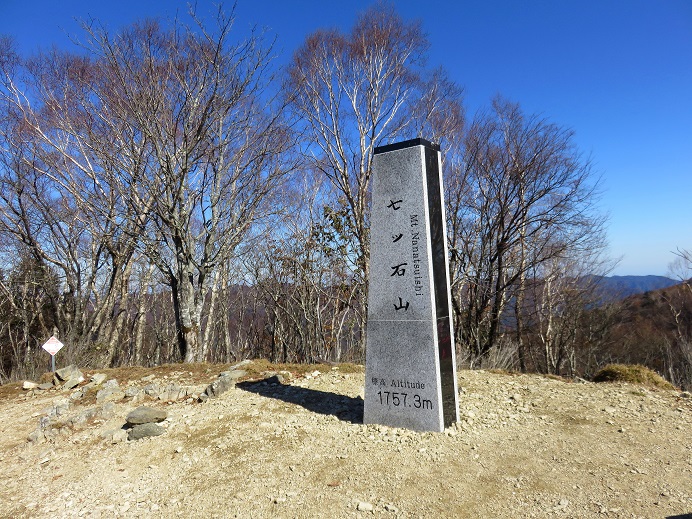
{"x":620,"y":287}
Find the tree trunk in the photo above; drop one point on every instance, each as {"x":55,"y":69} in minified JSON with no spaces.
{"x":518,"y":312}
{"x":141,"y":323}
{"x":208,"y":329}
{"x":519,"y":303}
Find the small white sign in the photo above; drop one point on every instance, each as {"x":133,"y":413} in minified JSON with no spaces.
{"x":52,"y":345}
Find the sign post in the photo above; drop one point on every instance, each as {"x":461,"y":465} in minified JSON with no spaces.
{"x":52,"y":346}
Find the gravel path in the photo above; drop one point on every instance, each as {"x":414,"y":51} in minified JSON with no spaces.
{"x":527,"y":446}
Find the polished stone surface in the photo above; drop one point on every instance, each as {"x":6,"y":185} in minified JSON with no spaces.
{"x":410,"y":365}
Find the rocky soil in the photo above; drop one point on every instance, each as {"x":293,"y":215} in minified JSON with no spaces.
{"x":527,"y":446}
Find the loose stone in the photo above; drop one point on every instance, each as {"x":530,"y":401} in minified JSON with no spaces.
{"x":145,"y":430}
{"x":98,"y":378}
{"x":364,"y":507}
{"x":144,"y":414}
{"x":68,"y":372}
{"x":73,"y":382}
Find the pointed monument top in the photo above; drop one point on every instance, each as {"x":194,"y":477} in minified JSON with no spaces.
{"x":406,"y":144}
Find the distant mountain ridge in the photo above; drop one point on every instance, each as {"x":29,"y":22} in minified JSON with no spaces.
{"x":620,"y":287}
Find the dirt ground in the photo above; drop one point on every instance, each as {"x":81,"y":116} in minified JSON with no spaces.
{"x":526,"y":446}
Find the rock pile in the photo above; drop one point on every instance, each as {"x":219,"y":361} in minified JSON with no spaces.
{"x":66,"y":416}
{"x":144,"y":422}
{"x":170,"y":392}
{"x":63,"y":418}
{"x":110,"y":391}
{"x":225,"y":381}
{"x":60,"y":419}
{"x":67,"y":378}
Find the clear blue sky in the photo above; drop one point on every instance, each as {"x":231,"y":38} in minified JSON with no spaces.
{"x":618,"y":72}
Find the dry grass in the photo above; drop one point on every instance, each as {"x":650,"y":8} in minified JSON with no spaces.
{"x":188,"y":374}
{"x":632,"y":374}
{"x":200,"y":373}
{"x":260,"y":366}
{"x":497,"y":371}
{"x":10,"y":390}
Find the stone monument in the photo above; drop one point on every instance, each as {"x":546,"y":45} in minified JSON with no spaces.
{"x":410,"y":363}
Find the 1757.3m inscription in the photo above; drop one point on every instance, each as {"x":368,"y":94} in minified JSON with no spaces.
{"x":401,"y":398}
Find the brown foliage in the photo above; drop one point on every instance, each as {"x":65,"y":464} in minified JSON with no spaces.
{"x":635,"y":374}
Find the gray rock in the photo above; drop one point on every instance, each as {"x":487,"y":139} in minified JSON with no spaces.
{"x":68,"y":372}
{"x":138,"y":398}
{"x":277,"y":379}
{"x":62,"y":407}
{"x":145,"y":430}
{"x":115,"y":435}
{"x":219,"y":386}
{"x":73,"y":382}
{"x":45,"y":386}
{"x":226,"y":381}
{"x":58,"y":422}
{"x":172,"y":392}
{"x":98,"y":378}
{"x":132,"y":391}
{"x":145,"y":414}
{"x":37,"y":436}
{"x":82,"y":418}
{"x":107,"y":410}
{"x":233,"y":374}
{"x":77,"y":395}
{"x":110,"y":394}
{"x":53,"y":432}
{"x":152,"y":390}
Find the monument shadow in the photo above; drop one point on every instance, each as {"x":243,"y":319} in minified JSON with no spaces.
{"x":345,"y":408}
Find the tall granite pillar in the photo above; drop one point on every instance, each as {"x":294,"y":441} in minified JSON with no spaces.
{"x":410,"y":357}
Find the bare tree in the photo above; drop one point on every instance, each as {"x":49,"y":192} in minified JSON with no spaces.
{"x":27,"y":296}
{"x":357,"y":91}
{"x":677,"y":349}
{"x":57,"y":200}
{"x":216,"y":145}
{"x":563,"y":307}
{"x":162,"y":140}
{"x":306,"y":287}
{"x":517,"y":191}
{"x":681,"y":267}
{"x":352,"y":91}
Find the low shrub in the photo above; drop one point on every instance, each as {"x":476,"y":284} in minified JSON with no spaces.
{"x":633,"y":374}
